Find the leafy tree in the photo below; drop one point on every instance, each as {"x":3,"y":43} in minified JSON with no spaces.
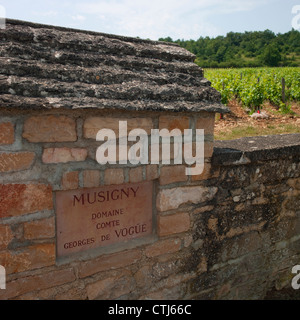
{"x":271,"y":56}
{"x":248,"y":49}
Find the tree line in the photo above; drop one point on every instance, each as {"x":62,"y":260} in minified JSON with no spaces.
{"x":248,"y":49}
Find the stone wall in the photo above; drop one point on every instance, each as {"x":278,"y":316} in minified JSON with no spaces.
{"x":230,"y":233}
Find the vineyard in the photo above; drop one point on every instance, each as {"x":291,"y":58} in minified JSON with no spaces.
{"x":275,"y":92}
{"x":253,"y":86}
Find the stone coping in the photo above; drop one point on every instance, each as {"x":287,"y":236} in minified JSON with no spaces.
{"x":254,"y":149}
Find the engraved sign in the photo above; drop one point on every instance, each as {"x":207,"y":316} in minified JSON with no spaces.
{"x":95,"y":217}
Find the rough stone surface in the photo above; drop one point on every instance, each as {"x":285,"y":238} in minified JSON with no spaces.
{"x":17,"y":199}
{"x":56,"y":155}
{"x":16,"y":161}
{"x":6,"y":133}
{"x":106,"y":72}
{"x":172,"y":224}
{"x":163,"y":247}
{"x":40,"y":229}
{"x":245,"y":150}
{"x":93,"y":124}
{"x":49,"y":129}
{"x":168,"y":199}
{"x":136,"y":174}
{"x":91,"y":178}
{"x":113,"y":176}
{"x":6,"y":236}
{"x":113,"y":261}
{"x":170,"y":123}
{"x":170,"y":174}
{"x":29,"y":258}
{"x":206,"y":123}
{"x":70,"y":180}
{"x":152,"y":172}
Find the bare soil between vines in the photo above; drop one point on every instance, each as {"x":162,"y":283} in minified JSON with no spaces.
{"x":238,"y":123}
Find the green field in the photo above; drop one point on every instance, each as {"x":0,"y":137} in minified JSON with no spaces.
{"x":254,"y":86}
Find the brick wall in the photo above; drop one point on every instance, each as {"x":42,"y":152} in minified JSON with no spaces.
{"x":229,"y":233}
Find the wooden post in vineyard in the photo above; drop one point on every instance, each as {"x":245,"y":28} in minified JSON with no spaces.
{"x":221,"y":114}
{"x":258,"y":107}
{"x":283,"y":89}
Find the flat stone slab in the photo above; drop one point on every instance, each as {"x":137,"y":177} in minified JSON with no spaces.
{"x":96,"y":217}
{"x":251,"y":149}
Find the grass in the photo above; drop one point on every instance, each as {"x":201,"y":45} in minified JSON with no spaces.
{"x":250,"y":131}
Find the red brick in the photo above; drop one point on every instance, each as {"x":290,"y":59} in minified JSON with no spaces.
{"x":16,"y":161}
{"x":70,"y":180}
{"x":50,"y":129}
{"x":163,"y":247}
{"x":175,"y":223}
{"x":28,"y":258}
{"x":7,"y":133}
{"x":18,"y":199}
{"x":40,"y":229}
{"x":57,"y":155}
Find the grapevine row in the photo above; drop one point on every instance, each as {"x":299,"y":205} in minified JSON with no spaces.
{"x":253,"y":86}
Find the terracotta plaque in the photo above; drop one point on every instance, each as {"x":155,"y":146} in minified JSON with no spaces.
{"x":95,"y":217}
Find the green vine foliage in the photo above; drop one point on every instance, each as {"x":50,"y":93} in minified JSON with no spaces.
{"x":253,"y":86}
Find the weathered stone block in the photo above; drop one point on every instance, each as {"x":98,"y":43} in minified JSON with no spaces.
{"x":50,"y":129}
{"x":70,"y":180}
{"x":113,"y":176}
{"x":93,"y":124}
{"x":18,"y":199}
{"x":168,"y":199}
{"x":172,"y":224}
{"x":57,"y":155}
{"x":206,"y":123}
{"x":152,"y":172}
{"x":6,"y":236}
{"x":40,"y":229}
{"x":163,"y":247}
{"x":16,"y":161}
{"x":91,"y":178}
{"x":7,"y":133}
{"x":136,"y":174}
{"x":109,"y":262}
{"x":174,"y":122}
{"x":171,"y":174}
{"x":28,"y":258}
